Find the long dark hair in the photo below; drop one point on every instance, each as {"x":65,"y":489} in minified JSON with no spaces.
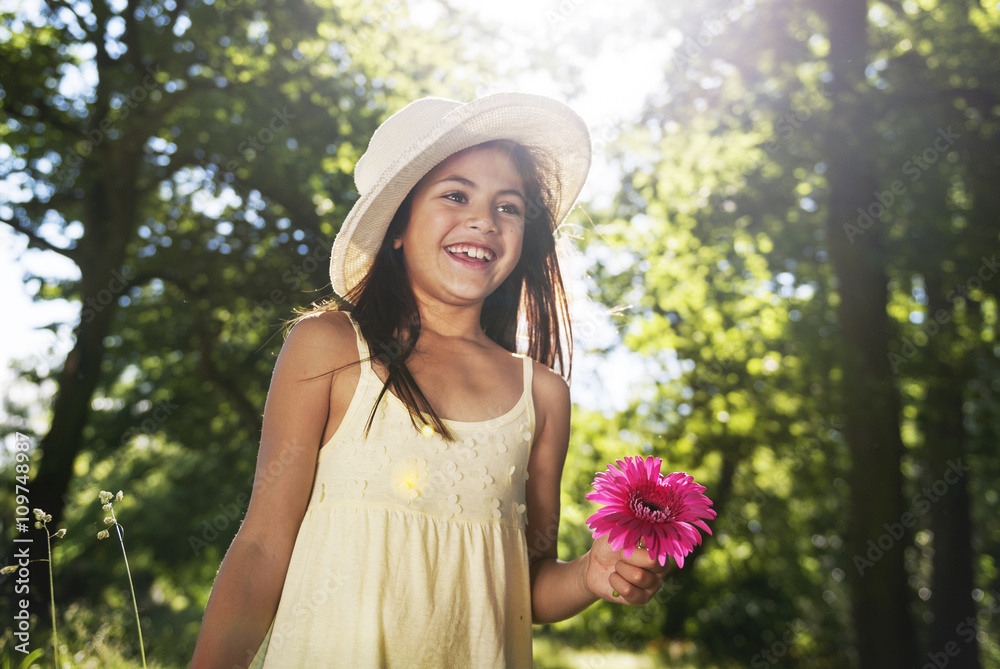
{"x":532,"y":296}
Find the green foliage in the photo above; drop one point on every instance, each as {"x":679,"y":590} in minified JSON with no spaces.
{"x":197,"y":177}
{"x":7,"y":660}
{"x":199,"y":173}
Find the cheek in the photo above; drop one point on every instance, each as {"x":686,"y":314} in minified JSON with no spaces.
{"x":518,"y":250}
{"x":515,"y":248}
{"x":516,"y":244}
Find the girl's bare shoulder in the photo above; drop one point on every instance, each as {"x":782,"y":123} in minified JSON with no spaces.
{"x":547,"y":382}
{"x":550,"y":392}
{"x":322,"y":337}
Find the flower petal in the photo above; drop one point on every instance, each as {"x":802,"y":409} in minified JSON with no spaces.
{"x":640,"y":504}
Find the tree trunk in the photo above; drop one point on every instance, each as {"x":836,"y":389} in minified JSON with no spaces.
{"x":883,"y":629}
{"x":102,"y":253}
{"x":946,"y":490}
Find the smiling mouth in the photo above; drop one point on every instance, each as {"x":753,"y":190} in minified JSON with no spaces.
{"x":468,"y":251}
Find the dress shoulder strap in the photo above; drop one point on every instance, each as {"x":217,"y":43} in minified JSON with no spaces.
{"x":528,"y":368}
{"x":529,"y":398}
{"x":363,"y":351}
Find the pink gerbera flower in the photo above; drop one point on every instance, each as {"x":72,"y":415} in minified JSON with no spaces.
{"x":646,"y":509}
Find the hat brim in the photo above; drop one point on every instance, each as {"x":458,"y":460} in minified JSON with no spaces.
{"x":547,"y":127}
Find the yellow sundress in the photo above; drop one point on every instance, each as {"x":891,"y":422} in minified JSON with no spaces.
{"x":412,"y":551}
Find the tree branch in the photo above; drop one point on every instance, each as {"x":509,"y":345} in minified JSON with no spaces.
{"x":45,"y":115}
{"x":39,"y":242}
{"x":170,"y":276}
{"x":245,"y":407}
{"x":131,"y":37}
{"x":55,"y":5}
{"x":179,"y":6}
{"x":169,"y":102}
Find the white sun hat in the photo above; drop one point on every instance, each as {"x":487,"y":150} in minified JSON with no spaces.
{"x":411,"y":142}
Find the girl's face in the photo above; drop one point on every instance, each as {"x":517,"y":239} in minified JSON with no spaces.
{"x":466,"y":227}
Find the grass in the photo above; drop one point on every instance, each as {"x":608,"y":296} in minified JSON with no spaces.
{"x":108,"y":502}
{"x":550,"y":654}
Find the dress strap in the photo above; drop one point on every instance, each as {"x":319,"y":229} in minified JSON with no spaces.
{"x":363,"y":352}
{"x":529,"y":401}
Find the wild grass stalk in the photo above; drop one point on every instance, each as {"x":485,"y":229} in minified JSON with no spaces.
{"x":42,"y":521}
{"x":107,"y":503}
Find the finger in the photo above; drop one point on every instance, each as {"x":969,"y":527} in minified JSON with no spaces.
{"x":641,"y":557}
{"x":661,"y":570}
{"x":637,"y":576}
{"x":628,"y":593}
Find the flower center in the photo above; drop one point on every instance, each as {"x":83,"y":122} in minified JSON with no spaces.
{"x":651,"y":504}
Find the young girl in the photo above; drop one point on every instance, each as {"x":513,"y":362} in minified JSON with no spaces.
{"x":405,"y":509}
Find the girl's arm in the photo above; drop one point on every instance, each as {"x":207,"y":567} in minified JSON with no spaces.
{"x":248,"y":586}
{"x":560,"y":590}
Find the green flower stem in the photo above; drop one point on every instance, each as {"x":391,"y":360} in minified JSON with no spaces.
{"x":135,"y":605}
{"x":52,"y":596}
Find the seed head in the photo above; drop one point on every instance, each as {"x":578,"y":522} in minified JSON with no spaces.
{"x":109,"y":520}
{"x":120,"y":496}
{"x":107,"y":507}
{"x":103,"y":534}
{"x":9,"y":570}
{"x":60,"y":533}
{"x":105,"y":496}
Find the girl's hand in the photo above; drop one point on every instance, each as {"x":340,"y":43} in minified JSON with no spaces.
{"x":635,"y":579}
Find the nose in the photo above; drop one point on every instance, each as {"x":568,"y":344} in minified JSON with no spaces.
{"x":481,"y":219}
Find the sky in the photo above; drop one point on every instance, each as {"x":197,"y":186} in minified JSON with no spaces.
{"x":612,"y":79}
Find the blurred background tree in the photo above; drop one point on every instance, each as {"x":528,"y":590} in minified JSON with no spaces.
{"x":799,"y":259}
{"x":187,"y":157}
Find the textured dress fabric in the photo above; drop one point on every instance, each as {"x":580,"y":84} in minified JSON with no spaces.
{"x":412,"y":551}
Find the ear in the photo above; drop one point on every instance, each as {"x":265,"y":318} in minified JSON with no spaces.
{"x":397,"y":243}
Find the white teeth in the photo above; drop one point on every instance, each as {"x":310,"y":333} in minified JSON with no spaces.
{"x":472,"y":251}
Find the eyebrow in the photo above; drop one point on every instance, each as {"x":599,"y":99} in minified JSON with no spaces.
{"x":471,"y":184}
